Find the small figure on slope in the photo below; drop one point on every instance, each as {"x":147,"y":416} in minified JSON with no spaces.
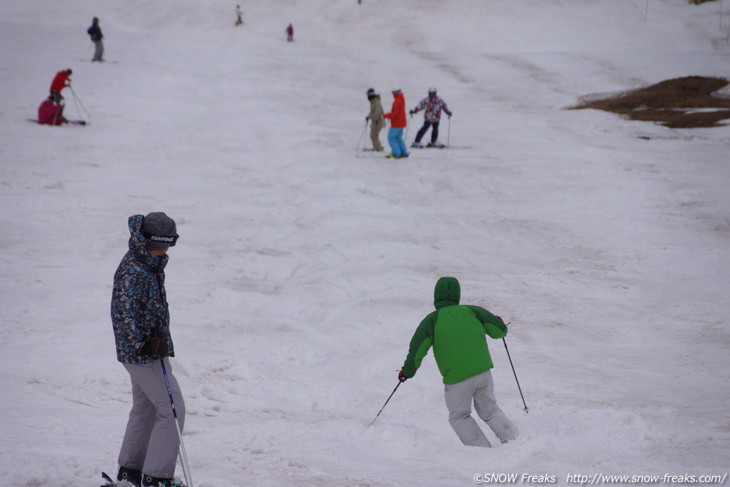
{"x":60,"y":81}
{"x":141,"y":322}
{"x":376,"y":119}
{"x":96,"y":36}
{"x":239,"y":15}
{"x":431,"y":118}
{"x":457,"y":334}
{"x":398,"y":121}
{"x":290,"y":33}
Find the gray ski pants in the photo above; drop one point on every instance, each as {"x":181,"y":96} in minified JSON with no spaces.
{"x":151,"y":442}
{"x":98,"y":51}
{"x":375,"y":127}
{"x":480,"y":389}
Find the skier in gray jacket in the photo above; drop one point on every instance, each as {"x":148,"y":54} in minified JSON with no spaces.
{"x":376,"y":119}
{"x":141,"y":322}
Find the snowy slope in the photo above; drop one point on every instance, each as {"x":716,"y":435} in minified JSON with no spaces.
{"x":304,"y":265}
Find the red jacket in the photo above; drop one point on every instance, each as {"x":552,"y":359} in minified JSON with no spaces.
{"x":60,"y":81}
{"x":50,"y":114}
{"x":397,"y":113}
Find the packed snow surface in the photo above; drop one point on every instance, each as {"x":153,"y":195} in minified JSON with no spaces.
{"x":304,"y":265}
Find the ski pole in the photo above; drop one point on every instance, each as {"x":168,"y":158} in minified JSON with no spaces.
{"x":361,"y":140}
{"x":515,"y":374}
{"x":77,"y":99}
{"x":183,"y":455}
{"x":386,"y":403}
{"x":448,"y":135}
{"x":76,"y":104}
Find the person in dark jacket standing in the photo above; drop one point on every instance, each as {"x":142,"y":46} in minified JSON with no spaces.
{"x":141,"y":322}
{"x":456,"y":333}
{"x":96,"y":36}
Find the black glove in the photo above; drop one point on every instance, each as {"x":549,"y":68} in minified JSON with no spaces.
{"x":402,"y":377}
{"x":154,"y":346}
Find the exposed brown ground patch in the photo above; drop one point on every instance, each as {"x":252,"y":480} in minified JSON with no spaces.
{"x":676,"y":103}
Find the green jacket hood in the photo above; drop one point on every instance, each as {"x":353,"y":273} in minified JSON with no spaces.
{"x":447,"y":292}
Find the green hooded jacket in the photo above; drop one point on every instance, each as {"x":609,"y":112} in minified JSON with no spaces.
{"x":456,"y":333}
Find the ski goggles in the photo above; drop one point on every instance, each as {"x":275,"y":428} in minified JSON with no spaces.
{"x":171,"y":241}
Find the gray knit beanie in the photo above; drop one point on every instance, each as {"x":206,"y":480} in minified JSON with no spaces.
{"x":159,"y":231}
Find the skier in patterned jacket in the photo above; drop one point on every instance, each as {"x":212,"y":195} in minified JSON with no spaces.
{"x":456,"y":333}
{"x":431,"y":118}
{"x":141,"y":322}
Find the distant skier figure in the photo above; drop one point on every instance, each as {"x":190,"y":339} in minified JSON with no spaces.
{"x":290,"y":33}
{"x":431,"y":118}
{"x":376,"y":119}
{"x":60,"y":81}
{"x":239,"y":15}
{"x":398,"y":122}
{"x":50,"y":113}
{"x":141,"y":322}
{"x":96,"y":36}
{"x":457,"y":334}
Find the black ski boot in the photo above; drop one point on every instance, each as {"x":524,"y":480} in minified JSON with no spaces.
{"x":150,"y":481}
{"x":134,"y":477}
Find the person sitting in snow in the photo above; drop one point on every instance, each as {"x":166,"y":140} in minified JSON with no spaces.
{"x":141,"y":323}
{"x":431,"y":118}
{"x":457,"y":334}
{"x":60,"y":81}
{"x":50,"y":113}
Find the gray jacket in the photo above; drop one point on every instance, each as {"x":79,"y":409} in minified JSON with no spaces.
{"x":376,"y":111}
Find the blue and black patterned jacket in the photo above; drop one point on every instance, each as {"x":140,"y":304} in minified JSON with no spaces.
{"x":139,"y":304}
{"x":433,"y":107}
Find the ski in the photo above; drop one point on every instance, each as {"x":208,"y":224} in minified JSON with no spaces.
{"x":72,"y":122}
{"x":100,"y":62}
{"x":429,"y":146}
{"x":442,"y":147}
{"x":123,"y":483}
{"x":112,"y":483}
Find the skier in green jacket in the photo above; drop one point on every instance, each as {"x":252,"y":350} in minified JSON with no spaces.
{"x":456,"y":333}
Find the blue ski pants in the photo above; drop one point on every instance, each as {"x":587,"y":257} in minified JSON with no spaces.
{"x":397,"y":145}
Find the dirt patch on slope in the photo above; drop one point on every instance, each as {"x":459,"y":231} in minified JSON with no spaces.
{"x":676,"y":103}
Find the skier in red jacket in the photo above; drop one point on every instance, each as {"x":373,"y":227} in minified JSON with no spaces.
{"x":398,"y":122}
{"x":60,"y":81}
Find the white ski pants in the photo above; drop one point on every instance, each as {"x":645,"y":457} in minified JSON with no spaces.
{"x":480,"y":390}
{"x":151,"y":442}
